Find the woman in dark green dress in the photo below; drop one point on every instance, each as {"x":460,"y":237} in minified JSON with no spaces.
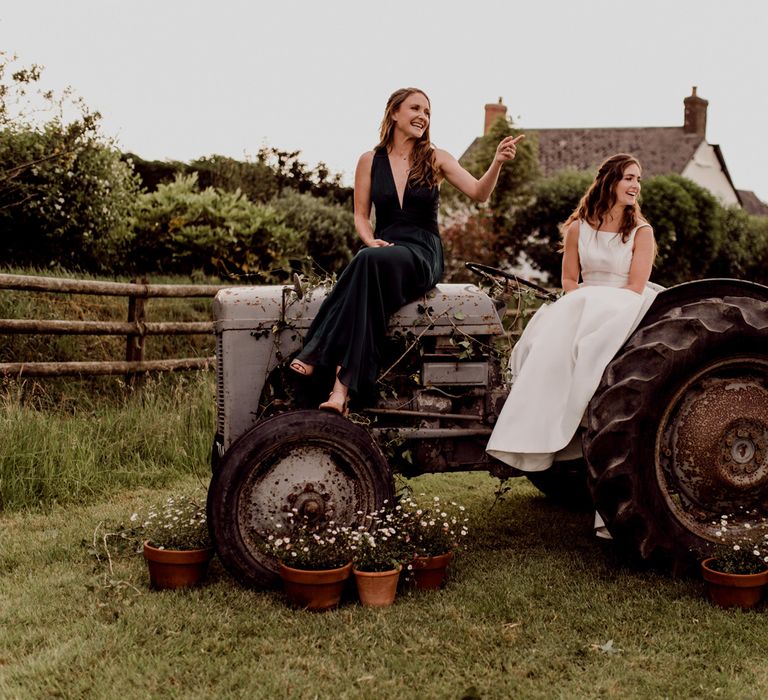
{"x":404,"y":256}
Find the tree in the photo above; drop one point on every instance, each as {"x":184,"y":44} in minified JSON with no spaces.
{"x":687,"y":223}
{"x":538,"y":221}
{"x":483,"y":232}
{"x":261,"y":179}
{"x":66,"y":197}
{"x":744,"y":247}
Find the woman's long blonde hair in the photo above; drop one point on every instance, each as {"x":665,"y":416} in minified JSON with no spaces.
{"x":600,"y":197}
{"x":422,"y":156}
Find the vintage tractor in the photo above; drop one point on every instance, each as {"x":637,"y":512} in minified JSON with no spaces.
{"x":676,"y":435}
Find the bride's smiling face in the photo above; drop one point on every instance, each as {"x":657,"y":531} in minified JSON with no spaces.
{"x":627,"y":190}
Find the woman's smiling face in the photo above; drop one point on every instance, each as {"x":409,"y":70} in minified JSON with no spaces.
{"x":627,"y":189}
{"x":412,"y":117}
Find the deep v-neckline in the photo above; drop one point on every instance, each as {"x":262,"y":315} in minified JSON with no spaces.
{"x":400,"y":202}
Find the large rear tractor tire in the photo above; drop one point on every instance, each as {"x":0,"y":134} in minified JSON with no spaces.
{"x":678,"y":431}
{"x":316,"y":462}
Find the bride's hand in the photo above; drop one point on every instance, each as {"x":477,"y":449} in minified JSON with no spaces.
{"x":378,"y":243}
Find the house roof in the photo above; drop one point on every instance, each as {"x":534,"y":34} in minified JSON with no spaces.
{"x":751,"y":203}
{"x":661,"y":150}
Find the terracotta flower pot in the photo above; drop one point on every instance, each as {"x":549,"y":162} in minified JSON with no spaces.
{"x":733,"y":590}
{"x":176,"y":568}
{"x":429,"y":572}
{"x":377,"y":589}
{"x":314,"y":590}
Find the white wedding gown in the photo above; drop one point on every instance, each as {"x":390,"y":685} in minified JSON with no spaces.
{"x":558,"y":362}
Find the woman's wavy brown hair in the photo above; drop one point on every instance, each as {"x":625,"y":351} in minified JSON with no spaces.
{"x":600,"y":197}
{"x":422,"y":156}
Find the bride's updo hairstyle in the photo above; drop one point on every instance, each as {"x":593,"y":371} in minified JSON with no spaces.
{"x":601,"y":196}
{"x":422,"y":170}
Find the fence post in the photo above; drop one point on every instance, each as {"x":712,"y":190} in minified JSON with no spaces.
{"x":134,"y":344}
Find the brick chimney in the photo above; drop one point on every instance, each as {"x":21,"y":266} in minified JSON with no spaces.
{"x":492,"y":112}
{"x":695,"y":114}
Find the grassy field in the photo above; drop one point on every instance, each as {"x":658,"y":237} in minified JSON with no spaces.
{"x":73,"y":440}
{"x":535,"y":608}
{"x":79,"y":443}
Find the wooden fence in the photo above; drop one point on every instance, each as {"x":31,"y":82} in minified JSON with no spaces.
{"x":136,"y":328}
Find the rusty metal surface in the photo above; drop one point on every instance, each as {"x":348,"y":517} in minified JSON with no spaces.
{"x":251,"y":336}
{"x":258,"y":308}
{"x":454,"y":373}
{"x":712,"y":447}
{"x":422,"y":414}
{"x":429,"y":433}
{"x":314,"y":479}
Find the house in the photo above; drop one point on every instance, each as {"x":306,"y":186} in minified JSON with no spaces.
{"x":662,"y":150}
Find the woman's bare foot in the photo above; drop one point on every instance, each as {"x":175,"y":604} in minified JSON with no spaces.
{"x":302,"y":368}
{"x":337,"y":401}
{"x":339,"y":397}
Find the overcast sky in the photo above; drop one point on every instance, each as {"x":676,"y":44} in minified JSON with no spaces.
{"x":179,"y":79}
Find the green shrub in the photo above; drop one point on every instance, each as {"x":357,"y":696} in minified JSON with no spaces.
{"x":744,"y":248}
{"x":74,"y":209}
{"x":180,"y":228}
{"x":687,"y":224}
{"x":538,"y":221}
{"x":329,"y":229}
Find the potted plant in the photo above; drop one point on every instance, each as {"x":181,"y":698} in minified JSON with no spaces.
{"x":314,"y":560}
{"x":177,"y":546}
{"x":737,"y":573}
{"x":433,"y":529}
{"x":379,"y":547}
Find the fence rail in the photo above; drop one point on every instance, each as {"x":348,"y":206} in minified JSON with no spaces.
{"x":136,"y":328}
{"x":29,"y":283}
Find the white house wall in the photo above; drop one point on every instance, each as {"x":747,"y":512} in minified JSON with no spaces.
{"x":704,"y":169}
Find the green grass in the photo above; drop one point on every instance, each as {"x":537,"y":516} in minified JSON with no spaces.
{"x":70,"y":439}
{"x":76,"y":445}
{"x":535,"y":607}
{"x":531,"y":606}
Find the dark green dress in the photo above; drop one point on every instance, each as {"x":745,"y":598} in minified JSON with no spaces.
{"x":352,"y":322}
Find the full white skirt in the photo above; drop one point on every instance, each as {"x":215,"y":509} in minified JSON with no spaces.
{"x":556,"y":367}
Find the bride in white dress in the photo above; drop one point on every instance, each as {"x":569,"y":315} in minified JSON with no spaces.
{"x":557,"y":364}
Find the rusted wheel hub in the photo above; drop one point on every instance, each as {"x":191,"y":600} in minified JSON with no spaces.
{"x":278,"y":488}
{"x":711,"y":454}
{"x":742,"y":460}
{"x":310,"y":501}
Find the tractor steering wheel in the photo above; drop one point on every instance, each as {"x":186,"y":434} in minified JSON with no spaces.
{"x":494,"y":272}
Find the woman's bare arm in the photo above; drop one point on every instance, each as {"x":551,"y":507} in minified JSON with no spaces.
{"x":465,"y":182}
{"x":362,"y":202}
{"x":642,"y":260}
{"x":571,"y":265}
